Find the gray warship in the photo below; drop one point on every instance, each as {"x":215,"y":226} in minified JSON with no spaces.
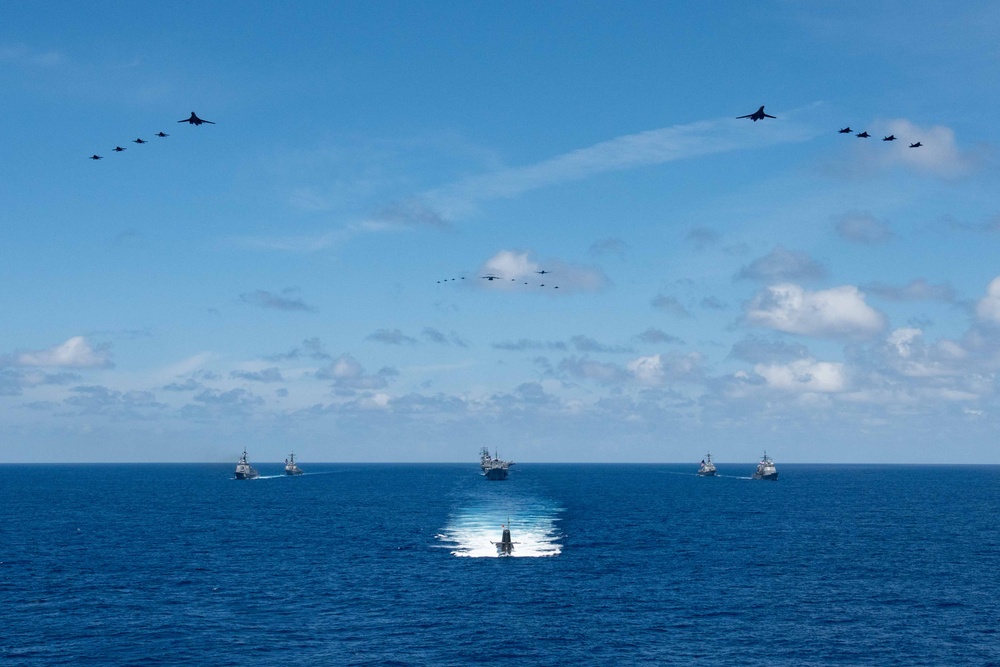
{"x":707,"y":468}
{"x":494,"y":469}
{"x":290,"y":467}
{"x":244,"y":470}
{"x":765,"y":469}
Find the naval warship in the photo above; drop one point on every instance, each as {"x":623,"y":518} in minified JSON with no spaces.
{"x":494,"y":469}
{"x":765,"y":469}
{"x":290,"y":467}
{"x":244,"y":470}
{"x":707,"y":468}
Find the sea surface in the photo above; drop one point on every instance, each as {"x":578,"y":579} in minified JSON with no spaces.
{"x":393,"y":565}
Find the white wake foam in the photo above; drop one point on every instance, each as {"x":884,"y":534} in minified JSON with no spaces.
{"x":533,"y":528}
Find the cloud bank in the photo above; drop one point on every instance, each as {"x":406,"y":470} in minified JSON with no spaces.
{"x":839,"y":312}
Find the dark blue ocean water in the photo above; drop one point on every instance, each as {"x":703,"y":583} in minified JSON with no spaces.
{"x":391,"y":565}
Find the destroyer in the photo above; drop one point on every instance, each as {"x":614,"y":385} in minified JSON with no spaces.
{"x":493,"y":467}
{"x":244,"y":470}
{"x":290,"y":467}
{"x":765,"y":469}
{"x":707,"y":468}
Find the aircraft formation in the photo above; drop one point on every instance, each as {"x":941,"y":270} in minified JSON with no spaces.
{"x":760,"y":115}
{"x":191,"y":120}
{"x":865,"y":135}
{"x":490,"y":277}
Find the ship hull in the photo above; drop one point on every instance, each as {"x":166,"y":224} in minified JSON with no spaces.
{"x":243,"y":475}
{"x":771,"y":477}
{"x":496,"y":474}
{"x":706,"y":473}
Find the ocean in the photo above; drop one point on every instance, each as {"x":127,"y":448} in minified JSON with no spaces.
{"x":371,"y":564}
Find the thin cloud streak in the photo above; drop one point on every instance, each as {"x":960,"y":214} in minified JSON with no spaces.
{"x":643,"y":149}
{"x":299,"y":244}
{"x":440,"y":206}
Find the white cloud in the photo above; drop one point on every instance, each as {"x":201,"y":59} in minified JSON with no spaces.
{"x":74,"y":353}
{"x":657,"y":368}
{"x":516,"y":267}
{"x":405,"y":214}
{"x":283,"y":301}
{"x":671,"y":305}
{"x":272,"y":374}
{"x":509,"y":264}
{"x":839,"y":312}
{"x":911,"y":357}
{"x":377,"y":401}
{"x":939,"y":155}
{"x":783,"y":264}
{"x":647,"y":370}
{"x":588,"y":369}
{"x":916,"y":290}
{"x":988,"y":308}
{"x":902,"y":340}
{"x":862,"y":227}
{"x":391,"y":337}
{"x":348,"y":374}
{"x":804,"y":375}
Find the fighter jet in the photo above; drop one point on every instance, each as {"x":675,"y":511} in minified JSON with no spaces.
{"x":140,"y":141}
{"x":194,"y":120}
{"x":119,"y":149}
{"x":891,"y":137}
{"x":916,"y":145}
{"x":757,"y":115}
{"x":845,"y":130}
{"x":95,"y":157}
{"x":863,"y":135}
{"x":490,"y":277}
{"x":162,"y":134}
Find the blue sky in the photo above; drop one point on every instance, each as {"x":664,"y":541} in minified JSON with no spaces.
{"x":274,"y":280}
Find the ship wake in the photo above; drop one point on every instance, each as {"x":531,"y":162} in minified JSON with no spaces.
{"x":471,"y":531}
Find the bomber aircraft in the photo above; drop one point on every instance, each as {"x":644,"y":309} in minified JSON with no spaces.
{"x":757,"y":115}
{"x":194,"y":120}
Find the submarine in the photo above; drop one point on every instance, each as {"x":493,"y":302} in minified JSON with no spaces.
{"x":505,"y":546}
